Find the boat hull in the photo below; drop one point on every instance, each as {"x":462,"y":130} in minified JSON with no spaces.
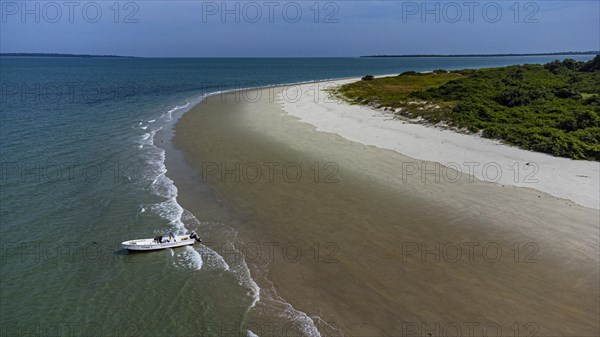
{"x":150,"y":244}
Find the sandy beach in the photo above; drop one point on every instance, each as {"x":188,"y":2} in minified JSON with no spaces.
{"x":485,"y":159}
{"x":372,"y":235}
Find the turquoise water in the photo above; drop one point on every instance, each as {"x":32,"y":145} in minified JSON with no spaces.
{"x":80,"y":173}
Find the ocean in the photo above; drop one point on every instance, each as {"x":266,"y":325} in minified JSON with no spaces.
{"x":81,"y":171}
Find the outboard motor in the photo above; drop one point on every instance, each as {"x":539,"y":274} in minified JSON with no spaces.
{"x":195,"y":236}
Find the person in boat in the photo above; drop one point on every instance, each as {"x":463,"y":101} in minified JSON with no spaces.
{"x":171,"y":235}
{"x":158,"y":239}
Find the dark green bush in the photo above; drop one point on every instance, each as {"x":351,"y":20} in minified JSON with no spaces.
{"x":586,"y":119}
{"x":589,"y":135}
{"x":368,"y":78}
{"x":593,"y":101}
{"x":593,"y":65}
{"x":567,"y":93}
{"x":521,"y":96}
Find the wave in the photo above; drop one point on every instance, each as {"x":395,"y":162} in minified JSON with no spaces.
{"x":193,"y":258}
{"x":169,"y":209}
{"x":168,"y":116}
{"x":203,"y":257}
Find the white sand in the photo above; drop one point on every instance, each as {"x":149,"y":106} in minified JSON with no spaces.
{"x":576,"y":180}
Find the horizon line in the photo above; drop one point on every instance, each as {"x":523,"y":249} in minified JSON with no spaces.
{"x":588,"y":52}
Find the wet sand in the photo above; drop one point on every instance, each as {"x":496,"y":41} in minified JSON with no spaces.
{"x":375,"y":251}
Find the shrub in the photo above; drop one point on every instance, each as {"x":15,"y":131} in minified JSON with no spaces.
{"x":568,"y":124}
{"x":518,"y":75}
{"x":571,"y":64}
{"x":493,"y":132}
{"x":412,"y":73}
{"x":593,"y":101}
{"x":589,"y":135}
{"x":567,"y":93}
{"x":586,"y":119}
{"x":368,"y":78}
{"x":575,"y":78}
{"x":553,"y":67}
{"x":592,"y":65}
{"x":440,"y":71}
{"x":521,"y":96}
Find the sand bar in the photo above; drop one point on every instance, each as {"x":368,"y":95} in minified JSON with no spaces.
{"x":374,"y":224}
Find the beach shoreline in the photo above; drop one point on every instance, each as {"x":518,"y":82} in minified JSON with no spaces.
{"x":369,"y":211}
{"x":485,"y":159}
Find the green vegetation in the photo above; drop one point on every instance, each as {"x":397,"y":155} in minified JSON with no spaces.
{"x":552,"y":108}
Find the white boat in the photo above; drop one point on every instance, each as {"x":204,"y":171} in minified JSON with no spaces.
{"x":162,"y":242}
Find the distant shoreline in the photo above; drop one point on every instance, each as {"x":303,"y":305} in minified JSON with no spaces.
{"x":62,"y":55}
{"x":364,"y":56}
{"x":486,"y":55}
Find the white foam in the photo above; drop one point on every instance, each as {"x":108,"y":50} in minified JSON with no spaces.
{"x":171,"y":211}
{"x":214,"y":260}
{"x":169,"y":115}
{"x":242,"y":273}
{"x":148,"y":137}
{"x":304,"y":323}
{"x":193,"y":258}
{"x":202,"y":256}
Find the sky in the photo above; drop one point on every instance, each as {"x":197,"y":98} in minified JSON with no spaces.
{"x":309,"y":28}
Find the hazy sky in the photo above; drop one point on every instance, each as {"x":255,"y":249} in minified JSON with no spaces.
{"x":298,"y":28}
